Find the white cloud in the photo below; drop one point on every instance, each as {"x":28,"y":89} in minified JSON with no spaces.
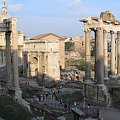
{"x":15,"y":7}
{"x":74,"y":3}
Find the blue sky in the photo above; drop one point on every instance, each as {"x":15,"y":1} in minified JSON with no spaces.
{"x":57,"y":16}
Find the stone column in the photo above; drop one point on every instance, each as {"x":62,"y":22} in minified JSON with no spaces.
{"x":3,"y":57}
{"x":3,"y":62}
{"x":112,"y":65}
{"x":0,"y":56}
{"x":118,"y":53}
{"x":8,"y":58}
{"x":25,"y":64}
{"x":95,"y":67}
{"x":15,"y":56}
{"x":39,"y":64}
{"x":105,"y":54}
{"x":99,"y":56}
{"x":28,"y":64}
{"x":87,"y":55}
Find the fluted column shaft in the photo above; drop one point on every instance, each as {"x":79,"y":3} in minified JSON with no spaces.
{"x":8,"y":58}
{"x":105,"y":54}
{"x":87,"y":55}
{"x":118,"y":53}
{"x":99,"y":56}
{"x":112,"y":65}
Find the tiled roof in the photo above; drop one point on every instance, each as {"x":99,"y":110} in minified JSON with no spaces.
{"x":41,"y":36}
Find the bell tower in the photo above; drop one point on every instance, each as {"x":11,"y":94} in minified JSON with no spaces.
{"x":4,"y":9}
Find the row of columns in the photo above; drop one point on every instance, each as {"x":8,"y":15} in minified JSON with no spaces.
{"x":101,"y":54}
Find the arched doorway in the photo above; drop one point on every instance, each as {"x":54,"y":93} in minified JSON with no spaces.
{"x":36,"y":72}
{"x":34,"y":66}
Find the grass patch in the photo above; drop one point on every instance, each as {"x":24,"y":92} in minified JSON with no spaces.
{"x":27,"y":94}
{"x":11,"y":110}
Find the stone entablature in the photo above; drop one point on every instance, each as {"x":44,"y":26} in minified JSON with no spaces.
{"x":101,"y":27}
{"x":42,"y":45}
{"x":93,"y":23}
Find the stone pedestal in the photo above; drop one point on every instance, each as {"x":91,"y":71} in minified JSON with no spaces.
{"x":97,"y":94}
{"x":105,"y":95}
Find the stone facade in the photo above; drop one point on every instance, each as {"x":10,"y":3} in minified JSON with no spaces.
{"x":51,"y":36}
{"x":41,"y":58}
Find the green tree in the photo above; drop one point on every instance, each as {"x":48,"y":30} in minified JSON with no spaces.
{"x":92,"y":67}
{"x":69,"y":46}
{"x":82,"y":64}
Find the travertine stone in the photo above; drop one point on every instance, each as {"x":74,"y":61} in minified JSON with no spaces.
{"x":112,"y":65}
{"x":105,"y":54}
{"x":107,"y":16}
{"x":28,"y":64}
{"x":25,"y":64}
{"x":44,"y":58}
{"x":99,"y":56}
{"x":118,"y":53}
{"x":87,"y":55}
{"x":8,"y":58}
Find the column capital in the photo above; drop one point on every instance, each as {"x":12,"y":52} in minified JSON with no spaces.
{"x":8,"y":32}
{"x":118,"y":32}
{"x":87,"y":30}
{"x":99,"y":28}
{"x":112,"y":32}
{"x":105,"y":31}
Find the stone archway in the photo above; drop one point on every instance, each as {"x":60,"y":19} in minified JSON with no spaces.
{"x":34,"y":60}
{"x":34,"y":66}
{"x":36,"y":72}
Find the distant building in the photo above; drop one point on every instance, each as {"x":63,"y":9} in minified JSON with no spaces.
{"x":41,"y":58}
{"x":51,"y":36}
{"x":44,"y":55}
{"x":79,"y":47}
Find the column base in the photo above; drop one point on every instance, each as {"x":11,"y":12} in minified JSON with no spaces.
{"x":102,"y":86}
{"x":118,"y":77}
{"x":113,"y":77}
{"x":88,"y":82}
{"x":106,"y":78}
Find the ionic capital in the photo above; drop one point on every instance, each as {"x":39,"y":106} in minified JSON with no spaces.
{"x":118,"y":32}
{"x":112,"y":32}
{"x":99,"y":28}
{"x":105,"y":31}
{"x":87,"y":30}
{"x":8,"y":33}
